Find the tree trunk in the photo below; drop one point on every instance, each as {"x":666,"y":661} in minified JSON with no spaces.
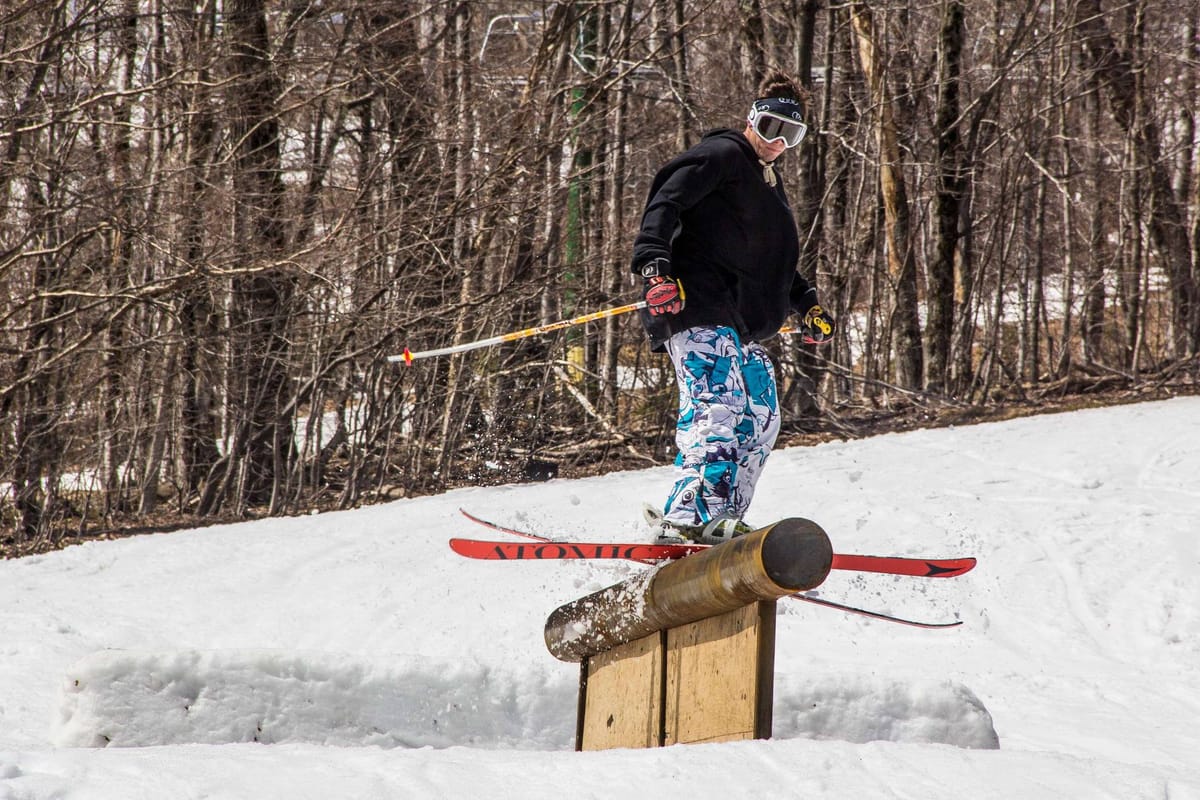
{"x":951,"y":185}
{"x":1091,"y":317}
{"x":753,"y":41}
{"x":262,"y":292}
{"x":901,"y":258}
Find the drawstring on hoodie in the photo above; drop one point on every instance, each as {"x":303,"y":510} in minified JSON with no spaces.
{"x":768,"y":172}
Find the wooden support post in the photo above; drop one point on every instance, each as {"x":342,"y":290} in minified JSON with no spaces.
{"x":721,"y":677}
{"x":686,"y":653}
{"x":621,"y":696}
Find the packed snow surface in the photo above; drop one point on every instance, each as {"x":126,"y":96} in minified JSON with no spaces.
{"x":352,"y":655}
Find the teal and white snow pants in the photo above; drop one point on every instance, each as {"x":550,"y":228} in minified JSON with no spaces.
{"x":728,"y":422}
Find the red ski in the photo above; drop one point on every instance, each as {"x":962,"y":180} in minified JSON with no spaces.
{"x":550,"y":551}
{"x":658,"y":557}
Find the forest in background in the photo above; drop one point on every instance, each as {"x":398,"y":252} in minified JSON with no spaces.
{"x":218,"y":218}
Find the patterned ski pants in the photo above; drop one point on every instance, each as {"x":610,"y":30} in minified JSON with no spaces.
{"x":728,"y":422}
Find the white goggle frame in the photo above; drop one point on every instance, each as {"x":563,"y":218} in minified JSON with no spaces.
{"x":772,"y":127}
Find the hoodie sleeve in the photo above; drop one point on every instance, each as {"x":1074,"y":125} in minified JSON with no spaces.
{"x":681,"y":184}
{"x":802,"y":296}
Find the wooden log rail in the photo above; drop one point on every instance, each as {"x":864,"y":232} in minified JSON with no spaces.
{"x":685,"y":653}
{"x":788,"y":557}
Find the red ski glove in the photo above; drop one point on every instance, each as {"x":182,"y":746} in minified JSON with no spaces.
{"x":664,"y":295}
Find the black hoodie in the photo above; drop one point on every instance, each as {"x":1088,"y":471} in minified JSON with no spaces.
{"x":730,"y":237}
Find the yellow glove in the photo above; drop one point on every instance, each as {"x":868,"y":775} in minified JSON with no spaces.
{"x":818,"y":326}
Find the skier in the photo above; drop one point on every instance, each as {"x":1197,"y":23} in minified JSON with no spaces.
{"x":717,"y":252}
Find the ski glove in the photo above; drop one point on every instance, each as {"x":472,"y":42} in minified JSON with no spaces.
{"x":664,"y":295}
{"x":818,"y":325}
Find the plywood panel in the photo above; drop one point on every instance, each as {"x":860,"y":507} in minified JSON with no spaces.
{"x":719,"y":677}
{"x":621,"y":696}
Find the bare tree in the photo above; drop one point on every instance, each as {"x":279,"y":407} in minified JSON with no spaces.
{"x":948,"y":200}
{"x":1113,"y":69}
{"x":900,"y":252}
{"x":218,"y":219}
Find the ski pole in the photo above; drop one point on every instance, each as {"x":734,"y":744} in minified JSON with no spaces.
{"x":408,"y":356}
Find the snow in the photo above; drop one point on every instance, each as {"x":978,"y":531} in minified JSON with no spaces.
{"x":352,"y":655}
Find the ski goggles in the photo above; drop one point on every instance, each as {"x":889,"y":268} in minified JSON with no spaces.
{"x":777,"y":119}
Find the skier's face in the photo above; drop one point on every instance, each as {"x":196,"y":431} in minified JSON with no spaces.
{"x":767,"y":151}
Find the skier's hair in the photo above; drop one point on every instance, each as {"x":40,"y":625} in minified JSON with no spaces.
{"x":777,"y":83}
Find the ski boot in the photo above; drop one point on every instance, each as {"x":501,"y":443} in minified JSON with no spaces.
{"x":717,"y":530}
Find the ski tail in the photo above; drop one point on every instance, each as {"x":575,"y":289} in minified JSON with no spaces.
{"x":501,"y":528}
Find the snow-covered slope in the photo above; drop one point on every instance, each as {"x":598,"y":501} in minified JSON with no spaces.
{"x":366,"y":660}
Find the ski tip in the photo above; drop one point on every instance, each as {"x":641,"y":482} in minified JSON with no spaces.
{"x":958,"y":566}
